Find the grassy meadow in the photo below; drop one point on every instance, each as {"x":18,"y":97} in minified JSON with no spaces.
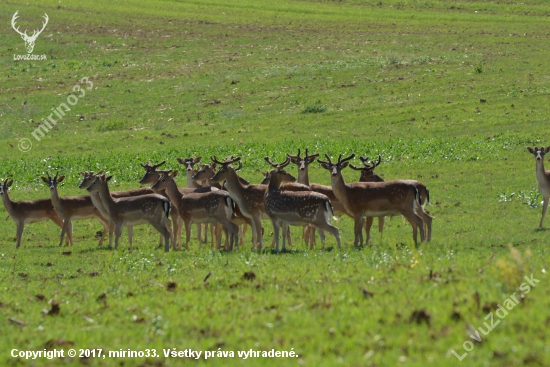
{"x":447,"y":92}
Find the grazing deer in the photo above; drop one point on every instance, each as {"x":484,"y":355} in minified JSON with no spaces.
{"x":71,"y":208}
{"x":297,"y":208}
{"x":135,"y":210}
{"x":543,"y":177}
{"x":249,"y":198}
{"x":200,"y":207}
{"x":375,"y":199}
{"x":368,"y":175}
{"x":28,"y":211}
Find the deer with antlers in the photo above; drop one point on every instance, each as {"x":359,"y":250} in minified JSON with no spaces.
{"x":71,"y":208}
{"x":200,"y":207}
{"x":28,"y":211}
{"x":368,"y":175}
{"x":543,"y":177}
{"x":375,"y":199}
{"x":296,"y":208}
{"x":29,"y":40}
{"x":135,"y":210}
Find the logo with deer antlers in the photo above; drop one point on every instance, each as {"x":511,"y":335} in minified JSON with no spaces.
{"x":29,"y":40}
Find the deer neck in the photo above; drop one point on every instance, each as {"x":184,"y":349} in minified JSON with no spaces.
{"x":274,"y":184}
{"x":190,"y":182}
{"x":98,"y":203}
{"x":8,"y":204}
{"x":303,"y":177}
{"x":106,"y":198}
{"x":233,"y":185}
{"x":172,"y":191}
{"x":339,"y":186}
{"x":56,"y":200}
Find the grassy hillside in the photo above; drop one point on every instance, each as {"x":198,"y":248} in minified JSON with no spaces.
{"x":448,"y":92}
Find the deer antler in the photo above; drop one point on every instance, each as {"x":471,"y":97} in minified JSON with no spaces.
{"x":13,"y":19}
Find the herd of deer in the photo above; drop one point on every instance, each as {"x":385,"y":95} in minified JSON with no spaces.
{"x":232,"y":205}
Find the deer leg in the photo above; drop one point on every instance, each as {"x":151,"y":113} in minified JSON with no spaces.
{"x":105,"y":229}
{"x":332,"y":230}
{"x":162,"y":227}
{"x":358,"y":229}
{"x":64,"y":230}
{"x":544,"y":208}
{"x":276,"y":234}
{"x":368,"y":225}
{"x":19,"y":233}
{"x":426,"y":223}
{"x":257,"y":228}
{"x":70,"y":232}
{"x":118,"y":233}
{"x":381,"y":225}
{"x":130,"y":235}
{"x":187,"y":225}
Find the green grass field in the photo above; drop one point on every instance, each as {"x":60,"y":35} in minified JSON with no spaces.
{"x":447,"y":92}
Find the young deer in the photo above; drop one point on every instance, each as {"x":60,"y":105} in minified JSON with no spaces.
{"x":28,"y":211}
{"x":135,"y":210}
{"x":543,"y":177}
{"x":205,"y":174}
{"x":375,"y":199}
{"x":368,"y":175}
{"x":71,"y":208}
{"x":297,"y":208}
{"x":200,"y":207}
{"x":250,"y":198}
{"x":151,"y":176}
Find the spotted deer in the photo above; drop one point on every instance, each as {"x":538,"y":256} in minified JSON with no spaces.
{"x":296,"y":208}
{"x":375,"y":199}
{"x":150,"y":209}
{"x":249,"y":198}
{"x":200,"y":207}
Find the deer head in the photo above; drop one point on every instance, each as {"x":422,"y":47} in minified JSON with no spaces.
{"x":29,"y":40}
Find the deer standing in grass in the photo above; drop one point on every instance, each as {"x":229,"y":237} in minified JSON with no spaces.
{"x":368,"y":175}
{"x":71,"y":208}
{"x":543,"y":177}
{"x":297,"y":208}
{"x":200,"y":207}
{"x":205,"y":174}
{"x":28,"y":211}
{"x":135,"y":210}
{"x":375,"y":199}
{"x":151,"y":176}
{"x":249,"y":198}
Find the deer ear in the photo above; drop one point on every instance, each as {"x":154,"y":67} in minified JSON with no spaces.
{"x":108,"y":178}
{"x":345,"y":164}
{"x":10,"y":183}
{"x":325,"y":166}
{"x":175,"y":173}
{"x":547,"y":149}
{"x":198,"y":159}
{"x":60,"y":179}
{"x":530,"y":150}
{"x":45,"y":179}
{"x":213,"y":165}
